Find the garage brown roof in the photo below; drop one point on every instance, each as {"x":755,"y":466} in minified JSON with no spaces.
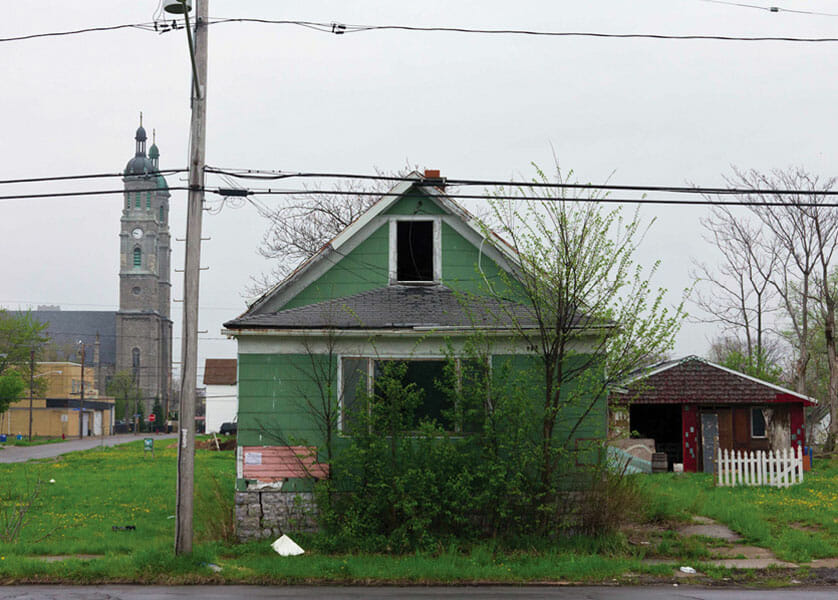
{"x":220,"y":371}
{"x":693,"y":380}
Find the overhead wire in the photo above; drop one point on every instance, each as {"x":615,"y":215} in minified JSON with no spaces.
{"x":342,"y":29}
{"x":334,"y":28}
{"x":85,"y":176}
{"x":579,"y":199}
{"x":153,"y":26}
{"x":772,"y":8}
{"x":277,"y":175}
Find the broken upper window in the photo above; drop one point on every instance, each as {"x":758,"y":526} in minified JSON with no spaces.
{"x":415,"y":251}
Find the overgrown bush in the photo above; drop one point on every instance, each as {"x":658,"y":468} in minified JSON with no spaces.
{"x":404,"y":486}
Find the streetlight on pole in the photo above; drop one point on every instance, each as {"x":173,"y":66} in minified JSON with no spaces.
{"x":81,"y":395}
{"x":191,"y":271}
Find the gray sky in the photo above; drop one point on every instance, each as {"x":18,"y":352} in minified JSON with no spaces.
{"x":285,"y":97}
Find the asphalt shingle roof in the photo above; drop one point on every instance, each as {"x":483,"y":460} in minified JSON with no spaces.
{"x":394,"y":307}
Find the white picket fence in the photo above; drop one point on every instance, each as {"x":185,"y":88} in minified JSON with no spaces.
{"x":777,"y":468}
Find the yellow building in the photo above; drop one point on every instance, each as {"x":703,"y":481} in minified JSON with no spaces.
{"x":57,"y":405}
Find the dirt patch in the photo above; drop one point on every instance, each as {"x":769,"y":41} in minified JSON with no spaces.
{"x":806,"y":527}
{"x":60,"y":557}
{"x":709,"y":528}
{"x":224,"y":443}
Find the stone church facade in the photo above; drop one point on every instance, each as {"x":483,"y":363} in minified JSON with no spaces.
{"x":137,"y":337}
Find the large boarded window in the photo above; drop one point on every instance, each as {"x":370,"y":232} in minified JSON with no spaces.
{"x":427,"y":377}
{"x":415,"y":251}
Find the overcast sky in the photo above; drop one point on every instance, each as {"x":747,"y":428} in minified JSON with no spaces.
{"x":474,"y":106}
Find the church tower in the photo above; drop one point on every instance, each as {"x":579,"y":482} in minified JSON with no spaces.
{"x":143,"y":323}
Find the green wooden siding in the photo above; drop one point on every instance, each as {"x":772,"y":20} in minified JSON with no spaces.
{"x":364,"y":268}
{"x":520,"y":372}
{"x":367,"y":268}
{"x":274,"y":390}
{"x":415,"y":203}
{"x":273,"y":394}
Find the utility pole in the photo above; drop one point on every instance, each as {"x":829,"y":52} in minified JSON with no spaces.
{"x":31,"y":385}
{"x":191,"y":275}
{"x":81,"y":396}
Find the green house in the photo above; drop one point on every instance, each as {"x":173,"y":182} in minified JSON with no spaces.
{"x":412,"y":280}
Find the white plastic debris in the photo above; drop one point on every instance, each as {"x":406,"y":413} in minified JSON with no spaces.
{"x":285,"y":546}
{"x":689,"y":570}
{"x":52,"y":480}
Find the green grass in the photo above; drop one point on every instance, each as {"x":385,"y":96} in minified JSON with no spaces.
{"x":798,"y":523}
{"x":101,"y":488}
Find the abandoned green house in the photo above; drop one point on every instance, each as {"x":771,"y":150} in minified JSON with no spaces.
{"x":407,"y":281}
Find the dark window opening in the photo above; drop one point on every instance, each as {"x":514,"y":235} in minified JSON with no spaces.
{"x":434,"y":404}
{"x":662,"y":423}
{"x":135,"y":364}
{"x":415,"y":251}
{"x":757,"y":423}
{"x":428,"y":378}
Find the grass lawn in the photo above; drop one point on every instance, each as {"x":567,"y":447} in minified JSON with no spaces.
{"x":69,"y":534}
{"x":798,"y":524}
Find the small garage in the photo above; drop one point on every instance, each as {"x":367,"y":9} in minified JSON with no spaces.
{"x":691,"y":407}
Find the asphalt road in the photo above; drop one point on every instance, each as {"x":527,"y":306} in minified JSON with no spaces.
{"x":128,"y":592}
{"x":11,"y":454}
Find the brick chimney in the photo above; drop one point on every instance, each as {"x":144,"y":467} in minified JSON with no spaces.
{"x":432,"y":177}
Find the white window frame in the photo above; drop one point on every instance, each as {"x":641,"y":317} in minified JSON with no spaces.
{"x":437,"y":241}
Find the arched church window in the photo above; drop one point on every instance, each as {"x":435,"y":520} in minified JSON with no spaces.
{"x":137,"y":200}
{"x":127,"y":201}
{"x":135,"y":364}
{"x":148,"y":200}
{"x":138,"y":258}
{"x":162,"y":213}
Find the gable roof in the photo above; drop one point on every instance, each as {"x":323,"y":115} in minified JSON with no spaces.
{"x":694,"y":380}
{"x":220,"y":371}
{"x":335,"y":248}
{"x":395,"y":307}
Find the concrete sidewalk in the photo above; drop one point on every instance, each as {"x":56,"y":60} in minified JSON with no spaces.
{"x":12,"y":454}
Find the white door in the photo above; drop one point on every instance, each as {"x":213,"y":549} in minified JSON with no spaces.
{"x":85,"y":424}
{"x":97,"y":423}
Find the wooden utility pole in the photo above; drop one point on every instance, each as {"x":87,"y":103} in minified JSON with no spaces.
{"x":191,"y":276}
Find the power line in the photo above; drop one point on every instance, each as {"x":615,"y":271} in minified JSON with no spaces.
{"x":774,"y":9}
{"x":524,"y":197}
{"x":143,"y":26}
{"x":342,"y":28}
{"x":277,"y":175}
{"x":71,"y":194}
{"x":87,"y":176}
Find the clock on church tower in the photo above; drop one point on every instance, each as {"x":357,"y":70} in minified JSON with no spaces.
{"x":143,"y":323}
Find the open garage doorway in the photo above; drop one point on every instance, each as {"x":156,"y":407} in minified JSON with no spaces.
{"x":662,"y":423}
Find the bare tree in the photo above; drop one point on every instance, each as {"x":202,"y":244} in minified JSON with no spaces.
{"x":800,"y":235}
{"x":739,"y":293}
